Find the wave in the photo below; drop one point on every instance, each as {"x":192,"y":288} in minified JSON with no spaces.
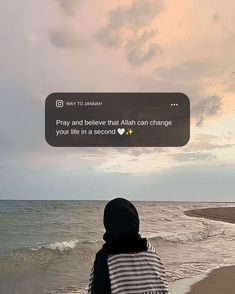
{"x":65,"y":246}
{"x":60,"y":246}
{"x":45,"y":254}
{"x":188,"y":237}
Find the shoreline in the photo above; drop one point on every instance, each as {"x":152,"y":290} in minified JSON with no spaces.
{"x":220,"y":280}
{"x":183,"y":286}
{"x":217,"y":281}
{"x":224,"y":214}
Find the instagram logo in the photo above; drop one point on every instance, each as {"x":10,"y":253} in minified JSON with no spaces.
{"x":59,"y":103}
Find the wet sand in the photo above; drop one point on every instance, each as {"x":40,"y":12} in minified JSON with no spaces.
{"x":222,"y":279}
{"x":225,"y":214}
{"x":219,"y":281}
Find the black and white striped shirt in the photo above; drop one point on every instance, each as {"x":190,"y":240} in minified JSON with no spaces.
{"x":136,"y":273}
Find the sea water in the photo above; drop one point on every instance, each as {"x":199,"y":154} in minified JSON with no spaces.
{"x":49,"y":246}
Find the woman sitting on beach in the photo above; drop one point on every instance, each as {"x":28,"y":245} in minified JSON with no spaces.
{"x":127,"y":263}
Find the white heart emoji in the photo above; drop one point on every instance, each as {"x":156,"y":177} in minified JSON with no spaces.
{"x":121,"y":131}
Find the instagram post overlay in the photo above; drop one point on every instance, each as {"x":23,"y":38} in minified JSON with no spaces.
{"x":117,"y":119}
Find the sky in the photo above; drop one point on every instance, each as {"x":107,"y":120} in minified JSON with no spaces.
{"x":116,"y":46}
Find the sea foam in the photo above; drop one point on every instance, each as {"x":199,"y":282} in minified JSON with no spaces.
{"x":60,"y":246}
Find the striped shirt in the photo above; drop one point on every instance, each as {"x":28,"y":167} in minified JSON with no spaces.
{"x":136,"y":273}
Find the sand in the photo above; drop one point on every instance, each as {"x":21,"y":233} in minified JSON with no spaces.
{"x":221,"y":280}
{"x":225,"y":214}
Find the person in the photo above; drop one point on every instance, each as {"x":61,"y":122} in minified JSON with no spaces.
{"x":127,"y":263}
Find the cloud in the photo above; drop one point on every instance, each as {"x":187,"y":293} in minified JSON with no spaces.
{"x":137,"y":52}
{"x":231,"y":87}
{"x":122,"y":30}
{"x":68,"y":6}
{"x":190,"y":70}
{"x":203,"y":105}
{"x":208,"y":106}
{"x":138,"y":151}
{"x":201,"y":148}
{"x":140,"y":14}
{"x":216,"y":17}
{"x":139,"y":56}
{"x":138,"y":40}
{"x":109,"y":38}
{"x":207,"y":142}
{"x":194,"y":77}
{"x":230,"y":83}
{"x":191,"y":156}
{"x":65,"y":38}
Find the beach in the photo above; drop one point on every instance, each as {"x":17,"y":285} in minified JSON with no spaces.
{"x":225,"y":214}
{"x":220,"y":280}
{"x":49,"y":246}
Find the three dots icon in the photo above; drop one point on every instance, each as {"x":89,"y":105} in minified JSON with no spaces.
{"x":174,"y":104}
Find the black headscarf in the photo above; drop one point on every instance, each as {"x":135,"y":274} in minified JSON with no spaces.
{"x":121,"y":222}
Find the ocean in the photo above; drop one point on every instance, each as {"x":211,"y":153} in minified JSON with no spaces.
{"x":49,"y":246}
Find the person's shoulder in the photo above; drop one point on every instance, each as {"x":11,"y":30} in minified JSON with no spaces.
{"x":151,"y":249}
{"x":153,"y":254}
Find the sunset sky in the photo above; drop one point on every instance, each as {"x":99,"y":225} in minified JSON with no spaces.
{"x":140,"y":46}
